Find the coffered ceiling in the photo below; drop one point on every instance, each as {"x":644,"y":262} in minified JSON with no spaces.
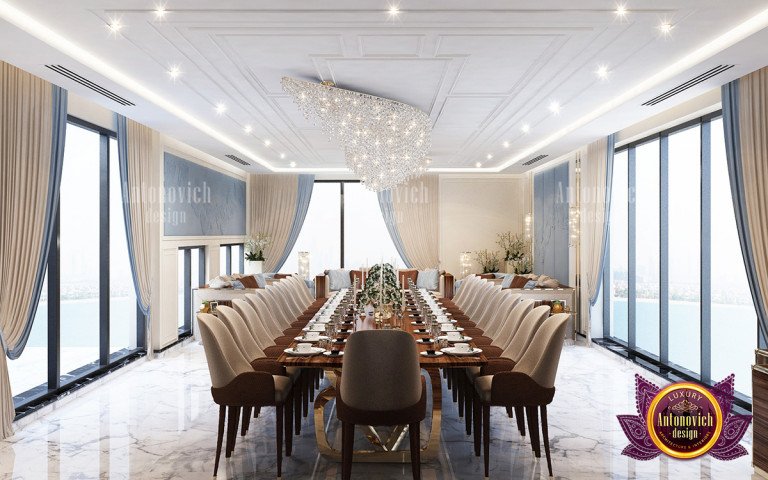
{"x":484,"y":71}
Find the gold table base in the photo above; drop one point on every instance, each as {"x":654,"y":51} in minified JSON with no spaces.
{"x":388,"y":452}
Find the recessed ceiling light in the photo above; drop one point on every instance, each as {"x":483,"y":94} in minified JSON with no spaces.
{"x":115,"y":25}
{"x":247,"y":129}
{"x":602,"y":72}
{"x":174,"y":72}
{"x":621,"y":11}
{"x":478,"y":165}
{"x":666,"y":28}
{"x":282,"y":155}
{"x":160,"y":12}
{"x":267,"y":142}
{"x":293,"y":164}
{"x":428,"y":161}
{"x":505,"y":144}
{"x":220,"y":108}
{"x":394,"y":10}
{"x":554,"y":107}
{"x":525,"y":128}
{"x":489,"y":156}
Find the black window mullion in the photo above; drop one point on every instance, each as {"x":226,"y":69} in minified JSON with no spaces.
{"x":228,"y":259}
{"x":664,"y":249}
{"x":607,"y":287}
{"x":187,"y":288}
{"x":631,"y":251}
{"x":104,"y":250}
{"x":706,"y":252}
{"x":54,"y":308}
{"x":242,"y":258}
{"x":200,"y":266}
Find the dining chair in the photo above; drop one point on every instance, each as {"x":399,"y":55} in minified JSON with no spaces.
{"x":530,"y":384}
{"x":380,"y":385}
{"x":258,"y":328}
{"x":258,"y":305}
{"x":466,"y":284}
{"x":235,"y":384}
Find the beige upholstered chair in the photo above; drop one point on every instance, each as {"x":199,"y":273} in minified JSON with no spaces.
{"x":530,"y":384}
{"x":381,"y":384}
{"x":258,"y":328}
{"x":468,"y":283}
{"x":235,"y":384}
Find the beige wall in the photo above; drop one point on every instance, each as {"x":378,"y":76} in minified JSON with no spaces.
{"x":475,"y":208}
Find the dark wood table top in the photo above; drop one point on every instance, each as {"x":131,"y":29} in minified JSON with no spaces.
{"x":443,"y":361}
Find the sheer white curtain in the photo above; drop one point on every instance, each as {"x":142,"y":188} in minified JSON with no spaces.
{"x":416,"y":210}
{"x":273,"y":207}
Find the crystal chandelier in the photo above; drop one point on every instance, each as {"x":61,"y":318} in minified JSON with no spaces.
{"x":385,"y":142}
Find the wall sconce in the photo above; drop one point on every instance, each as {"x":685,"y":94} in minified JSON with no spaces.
{"x":528,"y":226}
{"x":304,"y":265}
{"x":465,"y":261}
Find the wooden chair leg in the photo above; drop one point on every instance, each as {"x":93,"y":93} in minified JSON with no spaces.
{"x":510,"y":412}
{"x":477,"y":415}
{"x":288,"y":409}
{"x":305,"y":392}
{"x":449,"y":380}
{"x":256,"y":412}
{"x":486,"y":438}
{"x":545,"y":434}
{"x":533,"y":427}
{"x":519,"y":413}
{"x":279,"y":438}
{"x":414,"y":431}
{"x":297,"y":400}
{"x":468,"y":396}
{"x":461,"y":384}
{"x":233,"y":421}
{"x":219,"y":437}
{"x":346,"y":450}
{"x":246,"y":421}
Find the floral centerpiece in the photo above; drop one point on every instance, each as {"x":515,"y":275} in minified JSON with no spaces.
{"x":490,"y":261}
{"x":381,"y":288}
{"x":255,"y":246}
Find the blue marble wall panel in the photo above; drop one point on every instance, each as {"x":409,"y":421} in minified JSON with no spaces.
{"x":550,"y":223}
{"x":200,"y":201}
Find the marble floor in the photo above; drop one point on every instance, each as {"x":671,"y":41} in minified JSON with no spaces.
{"x":156,"y":420}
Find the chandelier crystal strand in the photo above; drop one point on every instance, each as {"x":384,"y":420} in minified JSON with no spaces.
{"x":385,"y":142}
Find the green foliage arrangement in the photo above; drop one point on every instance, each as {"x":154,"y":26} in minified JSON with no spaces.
{"x":378,"y":290}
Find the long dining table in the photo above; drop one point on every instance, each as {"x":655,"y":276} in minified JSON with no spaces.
{"x":383,"y":448}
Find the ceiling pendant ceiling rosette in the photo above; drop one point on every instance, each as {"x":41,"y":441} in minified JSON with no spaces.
{"x":385,"y":142}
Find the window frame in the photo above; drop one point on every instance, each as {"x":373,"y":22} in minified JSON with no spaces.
{"x":228,"y":257}
{"x":186,"y":329}
{"x":661,"y":363}
{"x":59,"y":382}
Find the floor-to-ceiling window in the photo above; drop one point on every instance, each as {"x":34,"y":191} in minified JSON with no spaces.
{"x":191,"y":275}
{"x":231,"y":258}
{"x":678,"y":296}
{"x":344,"y":228}
{"x":87,"y":317}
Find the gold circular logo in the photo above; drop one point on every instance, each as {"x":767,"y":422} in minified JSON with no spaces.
{"x":684,"y":420}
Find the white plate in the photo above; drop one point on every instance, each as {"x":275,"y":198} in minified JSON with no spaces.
{"x":312,"y":351}
{"x":309,"y":328}
{"x":323,"y":320}
{"x":455,"y":340}
{"x":452,"y":351}
{"x":448,"y":327}
{"x":328,"y":354}
{"x":425,"y":354}
{"x":311,"y":340}
{"x":446,"y":320}
{"x":417,"y":323}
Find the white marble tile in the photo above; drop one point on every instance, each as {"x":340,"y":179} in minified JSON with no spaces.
{"x":156,"y":420}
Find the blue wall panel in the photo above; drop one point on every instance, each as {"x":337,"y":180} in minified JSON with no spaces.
{"x":550,"y":223}
{"x":200,"y":201}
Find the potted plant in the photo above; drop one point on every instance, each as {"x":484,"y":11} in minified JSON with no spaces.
{"x":489,"y":261}
{"x":381,"y":290}
{"x":254,"y":253}
{"x":516,"y":252}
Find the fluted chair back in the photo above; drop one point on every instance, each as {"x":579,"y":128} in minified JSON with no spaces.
{"x":512,"y":323}
{"x":283,"y":290}
{"x":303,"y":290}
{"x":254,"y":323}
{"x":380,"y":371}
{"x":275,"y":305}
{"x":541,"y":358}
{"x":523,"y":336}
{"x":485,"y":317}
{"x":257,"y":302}
{"x":225,"y":360}
{"x":239,"y":330}
{"x":468,"y":283}
{"x":481,"y":296}
{"x":497,"y":318}
{"x":295,"y":284}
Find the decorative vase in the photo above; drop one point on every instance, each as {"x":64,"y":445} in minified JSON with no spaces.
{"x":557,"y":306}
{"x":509,"y":266}
{"x":252,"y":268}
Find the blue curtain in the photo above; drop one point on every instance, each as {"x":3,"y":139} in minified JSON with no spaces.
{"x":122,"y":150}
{"x":611,"y":146}
{"x":58,"y":135}
{"x":390,"y":219}
{"x":303,"y":197}
{"x":730,"y":99}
